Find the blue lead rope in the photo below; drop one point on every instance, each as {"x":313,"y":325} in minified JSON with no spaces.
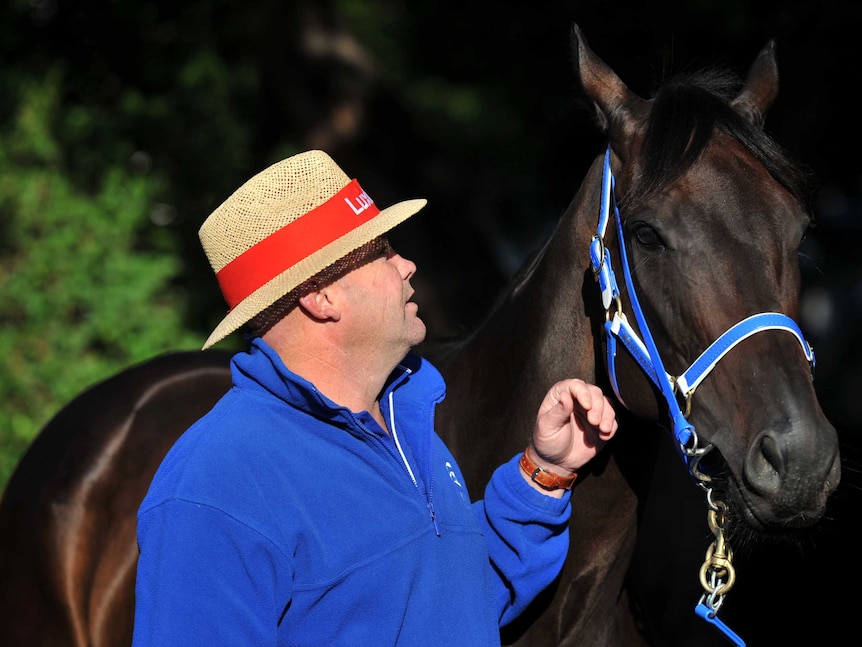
{"x":705,"y":612}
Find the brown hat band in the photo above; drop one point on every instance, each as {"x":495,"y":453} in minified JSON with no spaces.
{"x":259,"y":264}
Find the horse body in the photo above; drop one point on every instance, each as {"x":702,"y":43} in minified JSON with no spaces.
{"x":68,"y":550}
{"x":711,"y":218}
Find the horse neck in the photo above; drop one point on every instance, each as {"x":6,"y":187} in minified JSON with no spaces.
{"x":541,"y":330}
{"x":543,"y":317}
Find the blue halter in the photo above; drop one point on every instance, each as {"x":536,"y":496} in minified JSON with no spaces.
{"x":644,"y":351}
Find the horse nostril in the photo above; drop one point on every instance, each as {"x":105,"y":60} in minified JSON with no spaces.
{"x":771,"y":453}
{"x":765,"y":465}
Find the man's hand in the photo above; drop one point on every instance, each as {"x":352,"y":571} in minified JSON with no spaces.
{"x":574,"y":422}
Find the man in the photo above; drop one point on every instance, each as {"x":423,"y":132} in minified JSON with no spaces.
{"x":315,"y":504}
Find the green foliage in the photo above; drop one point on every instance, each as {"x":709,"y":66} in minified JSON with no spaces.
{"x":85,"y":274}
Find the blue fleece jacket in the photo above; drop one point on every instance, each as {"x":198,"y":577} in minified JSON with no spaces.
{"x":282,"y":518}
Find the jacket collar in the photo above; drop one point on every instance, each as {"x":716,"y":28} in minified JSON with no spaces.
{"x":415,"y":379}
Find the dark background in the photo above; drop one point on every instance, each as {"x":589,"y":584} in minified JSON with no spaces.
{"x":475,"y":106}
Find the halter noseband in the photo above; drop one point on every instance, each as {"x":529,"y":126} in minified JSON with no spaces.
{"x":644,"y":351}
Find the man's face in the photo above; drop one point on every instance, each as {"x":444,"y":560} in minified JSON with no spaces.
{"x":377,"y":301}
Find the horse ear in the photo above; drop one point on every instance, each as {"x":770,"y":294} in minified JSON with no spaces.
{"x":619,"y":111}
{"x":761,"y":87}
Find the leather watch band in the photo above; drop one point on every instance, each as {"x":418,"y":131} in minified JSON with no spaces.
{"x":544,"y":478}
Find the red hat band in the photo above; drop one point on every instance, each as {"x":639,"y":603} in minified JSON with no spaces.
{"x":284,"y":248}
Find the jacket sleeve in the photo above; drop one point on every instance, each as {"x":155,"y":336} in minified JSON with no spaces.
{"x":527,"y":536}
{"x":205,"y":579}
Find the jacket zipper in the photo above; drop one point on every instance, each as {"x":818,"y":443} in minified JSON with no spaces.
{"x":429,"y":503}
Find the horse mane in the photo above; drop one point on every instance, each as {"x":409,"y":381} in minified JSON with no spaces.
{"x":686,"y":111}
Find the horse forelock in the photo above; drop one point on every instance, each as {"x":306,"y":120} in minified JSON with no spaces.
{"x":686,"y":111}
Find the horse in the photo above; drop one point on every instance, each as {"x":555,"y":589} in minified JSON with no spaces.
{"x":702,"y":213}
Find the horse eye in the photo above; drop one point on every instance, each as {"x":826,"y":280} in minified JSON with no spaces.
{"x":646,"y":235}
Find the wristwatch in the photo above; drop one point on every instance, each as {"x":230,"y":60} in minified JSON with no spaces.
{"x":542,"y":477}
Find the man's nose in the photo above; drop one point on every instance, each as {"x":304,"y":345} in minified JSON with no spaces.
{"x":405,"y":265}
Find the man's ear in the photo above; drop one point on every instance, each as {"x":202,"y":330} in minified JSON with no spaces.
{"x":319,"y":305}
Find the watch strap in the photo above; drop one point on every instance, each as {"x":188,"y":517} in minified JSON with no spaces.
{"x":542,"y":477}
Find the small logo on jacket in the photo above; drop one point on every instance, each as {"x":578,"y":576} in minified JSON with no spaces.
{"x":454,"y":477}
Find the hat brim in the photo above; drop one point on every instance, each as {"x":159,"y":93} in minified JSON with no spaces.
{"x":277,"y":287}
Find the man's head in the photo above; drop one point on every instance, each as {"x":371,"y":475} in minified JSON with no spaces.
{"x":296,"y":224}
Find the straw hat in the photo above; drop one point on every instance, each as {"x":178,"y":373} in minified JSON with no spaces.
{"x":283,"y":226}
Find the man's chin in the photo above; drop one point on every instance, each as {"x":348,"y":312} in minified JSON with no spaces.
{"x":417,"y":333}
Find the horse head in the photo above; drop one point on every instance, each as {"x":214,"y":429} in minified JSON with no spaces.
{"x":711,"y":214}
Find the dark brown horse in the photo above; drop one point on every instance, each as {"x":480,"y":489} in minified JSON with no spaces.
{"x":710,"y":215}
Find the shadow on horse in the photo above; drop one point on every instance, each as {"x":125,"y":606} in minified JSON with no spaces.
{"x":672,"y":280}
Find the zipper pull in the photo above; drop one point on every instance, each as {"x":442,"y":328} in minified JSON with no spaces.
{"x":434,"y":518}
